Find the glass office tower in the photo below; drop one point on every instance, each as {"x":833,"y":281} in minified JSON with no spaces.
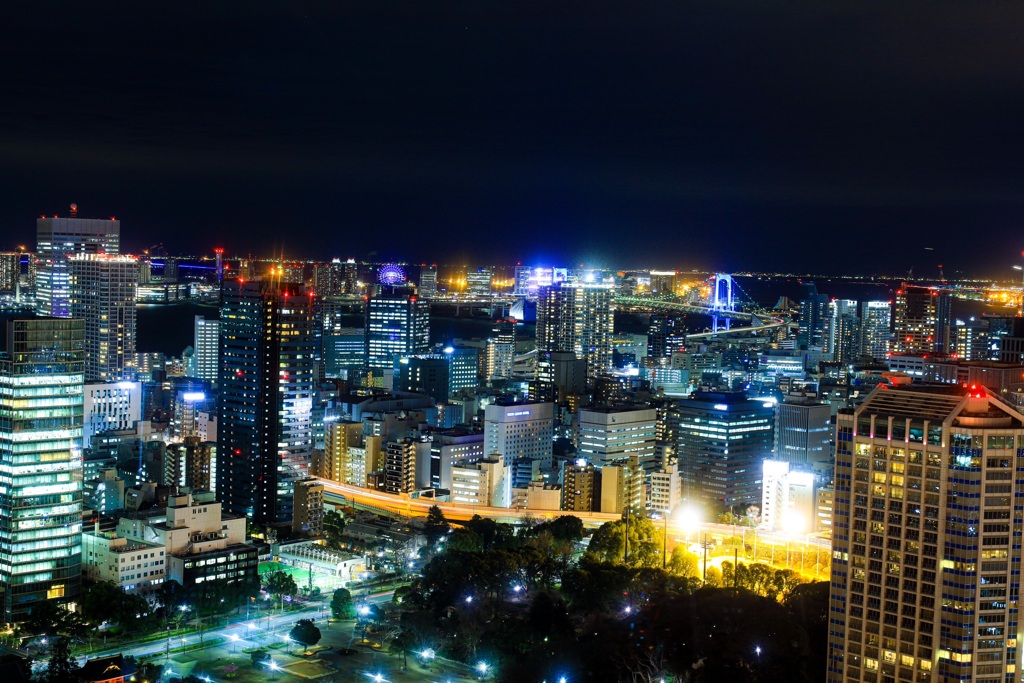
{"x":41,"y":394}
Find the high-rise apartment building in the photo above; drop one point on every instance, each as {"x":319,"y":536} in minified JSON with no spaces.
{"x":926,"y":538}
{"x":206,"y":350}
{"x":844,"y":331}
{"x":10,"y":270}
{"x":56,"y":240}
{"x":666,"y":335}
{"x":101,"y":291}
{"x":875,"y":318}
{"x":577,"y":318}
{"x":580,"y":481}
{"x":500,"y":352}
{"x":268,"y":350}
{"x":397,"y":324}
{"x":922,"y":320}
{"x":41,"y":383}
{"x":813,"y":318}
{"x":400,"y":459}
{"x":722,"y":441}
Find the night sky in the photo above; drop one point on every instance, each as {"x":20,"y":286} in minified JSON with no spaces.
{"x":808,"y":136}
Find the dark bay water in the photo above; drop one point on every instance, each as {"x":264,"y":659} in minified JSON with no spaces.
{"x":170,"y":328}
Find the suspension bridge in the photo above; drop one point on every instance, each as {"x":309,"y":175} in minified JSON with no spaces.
{"x":719,"y":299}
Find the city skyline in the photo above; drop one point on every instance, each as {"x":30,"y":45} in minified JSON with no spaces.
{"x":557,"y":135}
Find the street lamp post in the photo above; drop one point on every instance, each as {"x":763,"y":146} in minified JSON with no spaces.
{"x":664,"y":542}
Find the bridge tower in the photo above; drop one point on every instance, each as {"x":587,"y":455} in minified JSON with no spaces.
{"x":721,"y":300}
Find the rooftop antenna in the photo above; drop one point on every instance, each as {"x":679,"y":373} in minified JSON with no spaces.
{"x":74,"y":210}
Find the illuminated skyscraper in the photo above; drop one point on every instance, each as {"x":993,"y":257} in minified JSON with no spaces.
{"x":666,"y":335}
{"x":478,"y":282}
{"x":10,"y":270}
{"x":101,"y":291}
{"x":844,"y":331}
{"x":926,"y":549}
{"x":577,"y":318}
{"x":803,"y":431}
{"x":41,"y":384}
{"x":56,"y":240}
{"x":722,"y":441}
{"x":813,"y":318}
{"x":874,"y":328}
{"x":500,"y":352}
{"x":922,"y":320}
{"x":428,"y":282}
{"x":268,"y":351}
{"x":397,"y":324}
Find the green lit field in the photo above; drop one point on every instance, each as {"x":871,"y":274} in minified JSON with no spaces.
{"x":322,"y":580}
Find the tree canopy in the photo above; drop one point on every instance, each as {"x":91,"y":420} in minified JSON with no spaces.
{"x":341,"y":604}
{"x":305,"y":632}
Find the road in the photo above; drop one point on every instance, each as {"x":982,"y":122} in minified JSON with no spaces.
{"x":254,"y":632}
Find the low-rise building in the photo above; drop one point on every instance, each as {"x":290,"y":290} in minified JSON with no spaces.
{"x":202,"y":543}
{"x":135,"y":566}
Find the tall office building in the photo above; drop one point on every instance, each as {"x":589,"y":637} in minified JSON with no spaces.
{"x":397,"y":324}
{"x":268,"y":351}
{"x":101,"y":291}
{"x":428,"y":282}
{"x":606,"y":434}
{"x":206,"y":347}
{"x":577,"y":318}
{"x":926,"y":538}
{"x":478,"y":282}
{"x":56,"y":240}
{"x":722,"y":441}
{"x":922,"y":320}
{"x":803,"y":431}
{"x":875,"y":317}
{"x":813,"y":318}
{"x":110,"y":407}
{"x":41,"y":384}
{"x":844,"y":331}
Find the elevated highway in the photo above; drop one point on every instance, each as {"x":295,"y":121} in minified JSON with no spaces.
{"x":405,"y":506}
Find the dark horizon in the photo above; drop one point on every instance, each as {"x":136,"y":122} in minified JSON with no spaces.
{"x":818,"y":137}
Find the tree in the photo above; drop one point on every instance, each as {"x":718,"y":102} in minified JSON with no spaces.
{"x":492,"y":534}
{"x":683,"y":563}
{"x":105,"y":601}
{"x":465,"y":540}
{"x":608,"y":543}
{"x":564,"y":528}
{"x":305,"y":632}
{"x":334,"y":527}
{"x":280,"y":583}
{"x":61,"y":668}
{"x":50,"y":618}
{"x":436,"y":526}
{"x":258,"y":657}
{"x":341,"y":604}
